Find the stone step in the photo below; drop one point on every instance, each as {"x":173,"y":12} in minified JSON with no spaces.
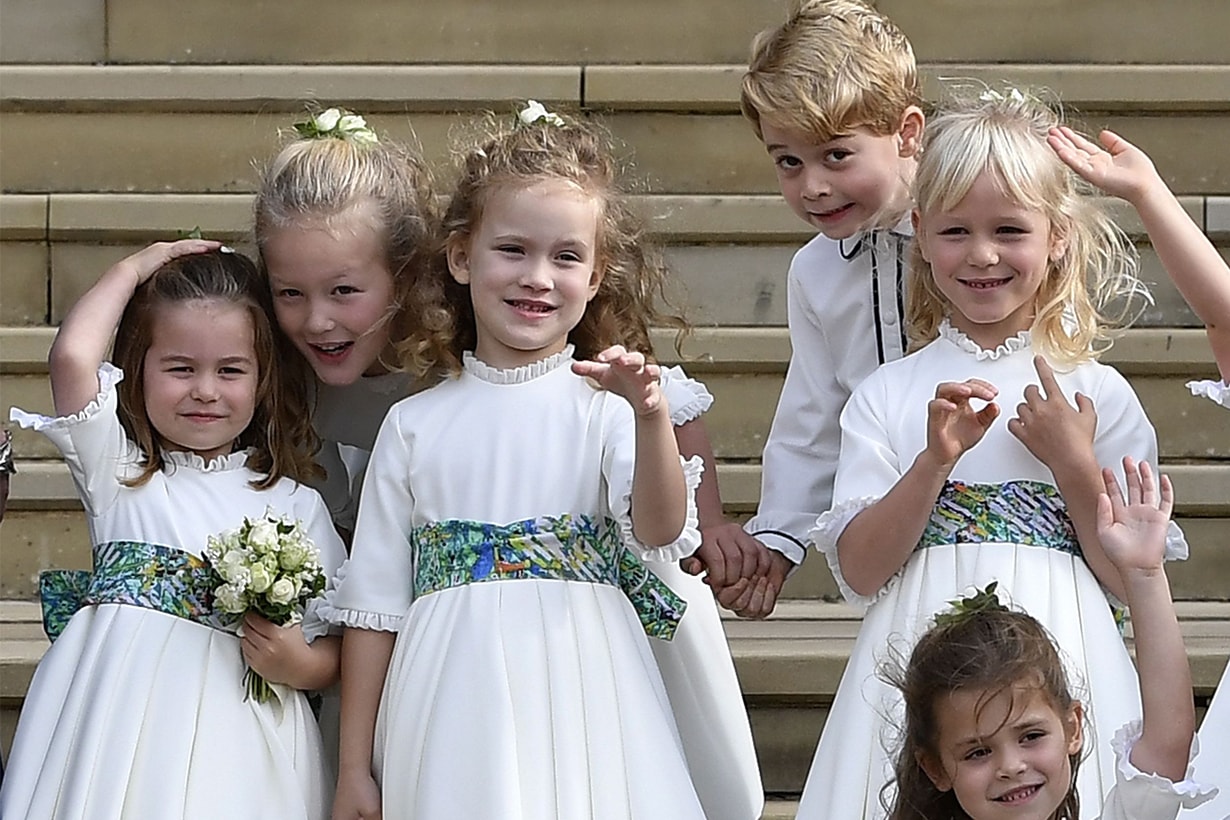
{"x":588,"y":31}
{"x":789,"y":666}
{"x":730,"y":252}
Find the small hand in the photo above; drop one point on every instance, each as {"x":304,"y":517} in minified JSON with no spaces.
{"x":953,"y":426}
{"x":145,"y":262}
{"x":276,"y":652}
{"x":756,"y":597}
{"x":1133,"y":534}
{"x":1117,"y":167}
{"x":628,"y":374}
{"x":726,"y":554}
{"x":357,"y":798}
{"x":1058,"y":434}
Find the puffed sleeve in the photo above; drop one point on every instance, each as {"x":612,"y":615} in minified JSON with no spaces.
{"x":1138,"y":795}
{"x":95,"y":448}
{"x":687,"y":398}
{"x":868,"y":469}
{"x":374,"y":587}
{"x":618,"y":460}
{"x":1124,"y":430}
{"x":1218,"y":392}
{"x":800,"y":456}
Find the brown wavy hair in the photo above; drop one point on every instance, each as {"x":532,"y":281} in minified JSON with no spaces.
{"x":831,"y":66}
{"x":515,"y":155}
{"x":325,"y":180}
{"x":282,"y":444}
{"x":992,"y":651}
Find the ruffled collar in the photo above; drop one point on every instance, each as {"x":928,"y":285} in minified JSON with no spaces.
{"x":237,"y":460}
{"x":515,"y":375}
{"x":1012,"y":344}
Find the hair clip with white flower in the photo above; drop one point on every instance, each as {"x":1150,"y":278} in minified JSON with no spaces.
{"x":535,"y":111}
{"x":991,"y":95}
{"x":337,"y":123}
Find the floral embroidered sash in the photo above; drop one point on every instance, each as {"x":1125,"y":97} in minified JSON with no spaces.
{"x":1016,"y":512}
{"x":167,"y":579}
{"x":569,"y":548}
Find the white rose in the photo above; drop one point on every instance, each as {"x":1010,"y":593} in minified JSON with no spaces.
{"x":230,"y":599}
{"x":233,"y":564}
{"x":282,"y":591}
{"x":260,"y":580}
{"x":535,"y":111}
{"x":294,"y":555}
{"x":351,"y":122}
{"x":264,"y":536}
{"x":327,"y":119}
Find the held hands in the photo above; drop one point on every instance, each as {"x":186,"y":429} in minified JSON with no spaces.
{"x":756,"y":596}
{"x":1057,"y":433}
{"x":1117,"y":167}
{"x":1133,"y":533}
{"x":726,"y":554}
{"x":953,"y":426}
{"x":628,"y":374}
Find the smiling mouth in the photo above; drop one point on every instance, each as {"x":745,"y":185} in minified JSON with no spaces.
{"x":1019,"y":795}
{"x":530,"y":307}
{"x":330,"y":348}
{"x":202,"y":417}
{"x":985,"y":284}
{"x":833,"y":215}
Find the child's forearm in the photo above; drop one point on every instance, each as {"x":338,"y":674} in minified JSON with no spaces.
{"x":81,"y":342}
{"x":1191,"y":261}
{"x":693,"y":440}
{"x":1080,"y":486}
{"x":365,"y":663}
{"x":1165,"y":677}
{"x":880,"y":539}
{"x":659,"y":493}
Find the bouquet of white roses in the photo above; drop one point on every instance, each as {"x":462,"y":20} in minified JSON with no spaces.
{"x":269,"y":566}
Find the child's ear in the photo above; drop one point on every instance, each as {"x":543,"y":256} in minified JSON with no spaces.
{"x":909,"y":132}
{"x":934,"y":771}
{"x":595,"y":281}
{"x":1074,"y":723}
{"x":1059,"y":247}
{"x":458,"y":251}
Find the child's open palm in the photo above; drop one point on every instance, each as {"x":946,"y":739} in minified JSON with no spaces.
{"x":628,"y":374}
{"x":1133,"y":532}
{"x":953,"y":425}
{"x":1117,"y":167}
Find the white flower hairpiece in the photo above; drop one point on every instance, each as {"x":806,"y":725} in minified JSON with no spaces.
{"x":337,"y":123}
{"x":991,"y":95}
{"x":536,"y":111}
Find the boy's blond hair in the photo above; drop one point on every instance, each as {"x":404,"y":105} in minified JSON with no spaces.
{"x":832,"y":66}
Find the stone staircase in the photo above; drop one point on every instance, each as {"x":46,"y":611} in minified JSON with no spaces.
{"x":124,"y":121}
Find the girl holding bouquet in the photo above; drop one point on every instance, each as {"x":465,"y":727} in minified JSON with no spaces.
{"x":139,"y":709}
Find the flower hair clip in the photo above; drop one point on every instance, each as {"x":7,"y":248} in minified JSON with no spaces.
{"x":535,"y":112}
{"x":965,"y":607}
{"x":336,"y":123}
{"x":991,"y":95}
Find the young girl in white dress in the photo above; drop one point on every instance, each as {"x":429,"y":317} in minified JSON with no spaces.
{"x":1202,"y":276}
{"x":343,"y":218}
{"x":935,"y":491}
{"x":992,"y":725}
{"x":138,"y":708}
{"x":495,"y":661}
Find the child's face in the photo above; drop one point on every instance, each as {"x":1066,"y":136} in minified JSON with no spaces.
{"x":200,"y":376}
{"x":1011,"y":759}
{"x":530,"y":266}
{"x":332,"y":294}
{"x":846,"y":184}
{"x":988,"y":256}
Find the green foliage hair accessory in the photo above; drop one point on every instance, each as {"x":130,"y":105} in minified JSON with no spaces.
{"x":195,"y":233}
{"x":984,"y":600}
{"x":336,"y":123}
{"x":535,"y":111}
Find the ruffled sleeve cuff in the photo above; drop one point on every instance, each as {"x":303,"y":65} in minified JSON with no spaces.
{"x":688,"y":540}
{"x":1209,"y":389}
{"x":1139,"y":789}
{"x":829,"y":527}
{"x":1176,"y":543}
{"x":327,"y":616}
{"x":108,"y":377}
{"x":688,"y":398}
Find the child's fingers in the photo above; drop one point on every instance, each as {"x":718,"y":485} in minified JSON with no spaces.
{"x":1079,"y":141}
{"x":1113,"y":492}
{"x":1114,"y":143}
{"x":1133,"y":480}
{"x":1148,"y":487}
{"x":1167,"y":505}
{"x":1046,"y":375}
{"x":1105,"y":513}
{"x":987,"y":414}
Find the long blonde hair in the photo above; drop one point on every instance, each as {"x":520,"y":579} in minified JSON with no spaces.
{"x":1086,"y":298}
